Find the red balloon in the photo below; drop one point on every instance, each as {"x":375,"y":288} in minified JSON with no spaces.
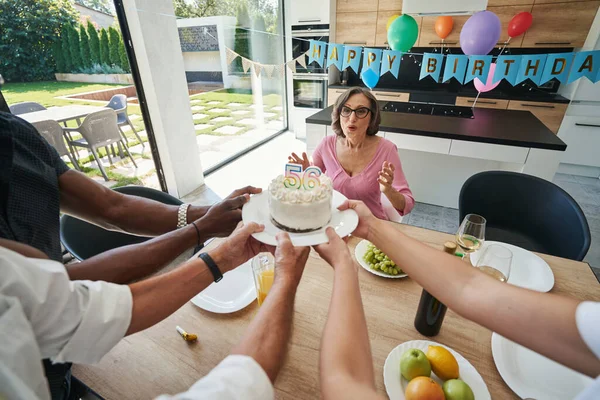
{"x":519,"y":24}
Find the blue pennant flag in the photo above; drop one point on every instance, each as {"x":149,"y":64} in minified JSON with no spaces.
{"x":586,"y":63}
{"x":390,"y":61}
{"x":507,"y":67}
{"x":531,"y":67}
{"x":456,"y":67}
{"x":479,"y":67}
{"x":557,"y":66}
{"x":316,"y":52}
{"x":335,"y":55}
{"x":352,"y":57}
{"x":372,"y":59}
{"x":597,"y":76}
{"x":431,"y":66}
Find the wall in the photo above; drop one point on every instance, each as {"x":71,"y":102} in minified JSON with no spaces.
{"x":103,"y":20}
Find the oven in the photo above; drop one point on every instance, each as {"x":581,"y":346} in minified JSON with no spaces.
{"x":310,"y":91}
{"x":301,"y":36}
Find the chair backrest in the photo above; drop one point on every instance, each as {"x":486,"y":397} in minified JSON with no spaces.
{"x":53,"y":133}
{"x":118,"y":103}
{"x":100,"y":128}
{"x":26,"y":107}
{"x":85,"y":240}
{"x":529,"y":207}
{"x":388,"y":208}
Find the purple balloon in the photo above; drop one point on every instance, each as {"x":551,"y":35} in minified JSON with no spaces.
{"x":480,"y":34}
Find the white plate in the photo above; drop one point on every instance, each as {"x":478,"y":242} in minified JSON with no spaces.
{"x":527,"y":269}
{"x":530,"y":374}
{"x":257,"y":210}
{"x":359,"y":252}
{"x":395,"y":384}
{"x":232,"y":293}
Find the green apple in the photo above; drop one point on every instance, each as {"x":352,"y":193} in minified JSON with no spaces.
{"x":414,"y":363}
{"x":455,"y":389}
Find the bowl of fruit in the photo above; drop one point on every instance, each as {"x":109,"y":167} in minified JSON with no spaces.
{"x":421,"y":369}
{"x":376,"y":262}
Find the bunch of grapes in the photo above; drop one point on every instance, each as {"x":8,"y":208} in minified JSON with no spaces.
{"x":378,"y":261}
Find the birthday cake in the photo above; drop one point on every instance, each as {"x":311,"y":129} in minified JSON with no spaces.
{"x":300,"y":201}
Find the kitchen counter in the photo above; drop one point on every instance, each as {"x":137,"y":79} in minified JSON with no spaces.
{"x":503,"y":127}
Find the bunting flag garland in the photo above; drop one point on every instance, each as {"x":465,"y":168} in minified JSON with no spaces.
{"x":291,"y":65}
{"x":479,"y":67}
{"x":268,"y":69}
{"x":231,"y":55}
{"x":390,"y":62}
{"x":302,"y":60}
{"x":279,"y":70}
{"x":531,"y":68}
{"x":257,"y":68}
{"x":246,"y":64}
{"x":432,"y":66}
{"x":456,"y":67}
{"x":316,"y":52}
{"x":557,"y":66}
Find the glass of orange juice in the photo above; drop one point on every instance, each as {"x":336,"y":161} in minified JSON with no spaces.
{"x":263,"y":269}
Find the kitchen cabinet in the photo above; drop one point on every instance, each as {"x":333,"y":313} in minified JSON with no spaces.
{"x":560,"y":25}
{"x":428,"y":37}
{"x":356,"y":28}
{"x":309,"y":12}
{"x":333,"y":94}
{"x":551,"y":114}
{"x":506,"y":14}
{"x":582,"y":136}
{"x":355,"y":5}
{"x":381,"y":33}
{"x":500,"y":104}
{"x":485,"y":151}
{"x":557,"y":1}
{"x":390,"y":5}
{"x":498,"y":3}
{"x":391,"y":96}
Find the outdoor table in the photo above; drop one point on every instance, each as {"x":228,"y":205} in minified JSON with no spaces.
{"x":158,"y":360}
{"x":60,"y":114}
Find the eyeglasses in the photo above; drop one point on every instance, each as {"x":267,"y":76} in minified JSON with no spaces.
{"x":361,"y":112}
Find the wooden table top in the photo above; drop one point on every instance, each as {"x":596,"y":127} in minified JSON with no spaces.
{"x":60,"y":114}
{"x":158,"y":361}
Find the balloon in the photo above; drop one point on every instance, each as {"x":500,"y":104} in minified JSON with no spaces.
{"x":490,"y":84}
{"x":519,"y":24}
{"x":390,"y":20}
{"x":370,"y":78}
{"x":443,"y":26}
{"x":403,"y":33}
{"x":480,"y":33}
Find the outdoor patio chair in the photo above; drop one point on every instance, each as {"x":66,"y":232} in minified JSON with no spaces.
{"x":99,"y":129}
{"x":53,"y":133}
{"x":25,"y":107}
{"x":119,"y":103}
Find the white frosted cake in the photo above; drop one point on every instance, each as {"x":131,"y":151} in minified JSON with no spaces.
{"x":300,"y":209}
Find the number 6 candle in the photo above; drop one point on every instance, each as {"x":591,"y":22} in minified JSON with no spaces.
{"x":295,"y":178}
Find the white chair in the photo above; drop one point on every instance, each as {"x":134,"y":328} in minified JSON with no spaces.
{"x":391,"y":213}
{"x":25,"y":107}
{"x":53,"y":133}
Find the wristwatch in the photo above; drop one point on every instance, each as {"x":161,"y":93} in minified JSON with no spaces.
{"x":212,"y":266}
{"x":182,"y":215}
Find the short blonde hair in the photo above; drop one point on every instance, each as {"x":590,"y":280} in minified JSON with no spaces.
{"x":373,"y":127}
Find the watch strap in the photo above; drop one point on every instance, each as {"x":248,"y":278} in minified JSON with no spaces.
{"x":182,"y":215}
{"x":212,"y":266}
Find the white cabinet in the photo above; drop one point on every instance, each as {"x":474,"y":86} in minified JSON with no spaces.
{"x":485,"y":151}
{"x":582,"y":136}
{"x":309,"y":12}
{"x":419,"y":143}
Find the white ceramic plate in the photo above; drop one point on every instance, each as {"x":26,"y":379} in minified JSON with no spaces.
{"x":257,"y":210}
{"x":359,"y":252}
{"x":395,"y":384}
{"x":530,"y":374}
{"x":527,"y":269}
{"x":235,"y":291}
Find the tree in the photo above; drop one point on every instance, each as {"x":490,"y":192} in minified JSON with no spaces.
{"x":123,"y":57}
{"x":94,"y":43}
{"x":66,"y":50}
{"x":98,"y":5}
{"x":59,"y":57}
{"x":113,"y":52}
{"x":28,"y":30}
{"x":204,"y":8}
{"x":104,"y":52}
{"x":74,"y":49}
{"x":84,"y":47}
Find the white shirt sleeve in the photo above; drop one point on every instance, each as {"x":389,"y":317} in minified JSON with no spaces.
{"x":587,"y":317}
{"x":236,"y":377}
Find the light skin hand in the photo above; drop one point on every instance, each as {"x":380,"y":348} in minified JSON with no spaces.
{"x":366,"y":219}
{"x":239,"y":247}
{"x":296,"y":159}
{"x":289,"y":260}
{"x":336,"y":251}
{"x":386,"y":177}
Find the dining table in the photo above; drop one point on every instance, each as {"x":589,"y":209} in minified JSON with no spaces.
{"x":158,"y":361}
{"x":61,"y":114}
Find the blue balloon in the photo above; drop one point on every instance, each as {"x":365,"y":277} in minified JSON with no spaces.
{"x":370,"y":78}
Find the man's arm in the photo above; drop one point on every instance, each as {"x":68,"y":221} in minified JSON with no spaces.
{"x":346,"y":364}
{"x":84,"y":198}
{"x":22,"y":249}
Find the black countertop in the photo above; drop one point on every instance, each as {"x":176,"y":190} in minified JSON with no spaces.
{"x":494,"y":94}
{"x":506,"y":127}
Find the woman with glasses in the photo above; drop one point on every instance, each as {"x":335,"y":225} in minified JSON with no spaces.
{"x":361,"y":165}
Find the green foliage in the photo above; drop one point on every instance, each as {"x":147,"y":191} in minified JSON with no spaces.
{"x":113,"y":51}
{"x":84,"y":47}
{"x":94,"y":43}
{"x":98,"y":5}
{"x":102,"y":69}
{"x":59,"y":58}
{"x":64,"y":44}
{"x":74,"y":49}
{"x":28,"y":30}
{"x":123,"y":57}
{"x":104,"y":47}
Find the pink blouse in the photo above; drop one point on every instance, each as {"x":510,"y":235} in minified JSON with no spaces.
{"x":364,"y":186}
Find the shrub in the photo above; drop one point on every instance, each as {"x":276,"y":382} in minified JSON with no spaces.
{"x":104,"y":53}
{"x":84,"y":47}
{"x":59,"y":57}
{"x":64,"y":44}
{"x":102,"y":69}
{"x":113,"y":52}
{"x":94,"y":43}
{"x":74,"y":49}
{"x":123,"y":56}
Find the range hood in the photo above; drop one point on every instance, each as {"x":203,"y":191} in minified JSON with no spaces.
{"x":426,"y":8}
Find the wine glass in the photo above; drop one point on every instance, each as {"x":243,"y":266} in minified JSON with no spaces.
{"x":496,"y":261}
{"x":471,"y":233}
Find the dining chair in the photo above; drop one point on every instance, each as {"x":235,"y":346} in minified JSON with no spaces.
{"x":84,"y":240}
{"x":99,"y":129}
{"x":528,"y":212}
{"x":25,"y":107}
{"x":119,"y":103}
{"x":53,"y":133}
{"x":388,"y":208}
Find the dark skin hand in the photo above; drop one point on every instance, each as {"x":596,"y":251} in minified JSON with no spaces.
{"x":22,"y":249}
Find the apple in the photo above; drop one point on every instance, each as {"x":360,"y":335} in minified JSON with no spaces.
{"x":414,"y":363}
{"x":455,"y":389}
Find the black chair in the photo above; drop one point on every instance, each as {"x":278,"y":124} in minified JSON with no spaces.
{"x":84,"y":240}
{"x":528,"y":212}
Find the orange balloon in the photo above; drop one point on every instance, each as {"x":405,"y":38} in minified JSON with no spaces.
{"x":390,"y":20}
{"x":443,"y":26}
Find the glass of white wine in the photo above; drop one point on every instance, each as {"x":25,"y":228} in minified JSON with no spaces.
{"x":471,"y":233}
{"x":496,"y":261}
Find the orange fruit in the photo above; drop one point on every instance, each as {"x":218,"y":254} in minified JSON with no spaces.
{"x":443,"y":363}
{"x":424,"y":388}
